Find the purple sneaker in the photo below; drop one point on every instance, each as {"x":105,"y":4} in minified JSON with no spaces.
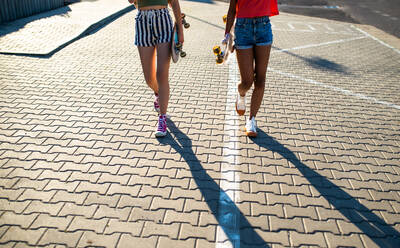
{"x":161,"y":126}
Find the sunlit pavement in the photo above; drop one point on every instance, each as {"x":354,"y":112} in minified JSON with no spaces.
{"x":79,"y":164}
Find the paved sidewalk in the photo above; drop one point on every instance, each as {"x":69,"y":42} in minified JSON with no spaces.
{"x":79,"y":165}
{"x":46,"y":33}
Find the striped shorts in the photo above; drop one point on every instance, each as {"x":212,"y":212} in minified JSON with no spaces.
{"x":153,"y":27}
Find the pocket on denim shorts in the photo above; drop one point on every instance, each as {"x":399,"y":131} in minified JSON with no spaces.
{"x":264,"y":33}
{"x":243,"y":34}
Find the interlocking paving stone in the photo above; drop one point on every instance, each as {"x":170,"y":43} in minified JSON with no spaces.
{"x":54,"y":236}
{"x":79,"y":165}
{"x":46,"y":32}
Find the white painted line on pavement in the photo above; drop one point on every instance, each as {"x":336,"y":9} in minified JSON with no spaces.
{"x":310,"y":27}
{"x":316,"y":23}
{"x":376,"y":39}
{"x":344,"y":91}
{"x":319,"y":44}
{"x":314,"y":31}
{"x":328,"y":27}
{"x":228,"y":213}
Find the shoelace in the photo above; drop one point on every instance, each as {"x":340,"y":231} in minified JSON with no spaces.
{"x":162,"y":124}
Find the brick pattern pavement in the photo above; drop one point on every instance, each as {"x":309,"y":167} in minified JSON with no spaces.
{"x":79,"y":165}
{"x":45,"y":33}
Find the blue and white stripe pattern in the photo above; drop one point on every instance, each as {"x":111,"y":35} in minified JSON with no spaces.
{"x":153,"y":27}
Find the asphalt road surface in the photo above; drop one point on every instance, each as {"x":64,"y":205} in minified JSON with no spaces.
{"x":383,"y":14}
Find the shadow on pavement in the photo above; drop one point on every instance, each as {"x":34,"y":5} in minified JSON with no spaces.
{"x":209,"y":23}
{"x":319,"y":63}
{"x":370,"y":224}
{"x":315,"y":62}
{"x":229,"y":217}
{"x":325,"y":9}
{"x":92,"y":29}
{"x":10,"y":27}
{"x":329,"y":14}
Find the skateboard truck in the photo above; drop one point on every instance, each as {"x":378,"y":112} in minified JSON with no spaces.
{"x":222,"y":54}
{"x":225,"y":18}
{"x":185,"y":24}
{"x":176,"y":47}
{"x":179,"y":46}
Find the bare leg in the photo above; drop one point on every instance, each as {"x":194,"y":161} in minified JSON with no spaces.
{"x":261,"y":57}
{"x":148,"y":60}
{"x":163,"y":62}
{"x":245,"y":58}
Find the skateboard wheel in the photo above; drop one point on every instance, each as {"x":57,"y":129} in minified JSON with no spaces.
{"x":183,"y":15}
{"x":217,"y":50}
{"x":186,"y":25}
{"x":178,"y":45}
{"x":183,"y":54}
{"x":225,"y":18}
{"x":219,"y":60}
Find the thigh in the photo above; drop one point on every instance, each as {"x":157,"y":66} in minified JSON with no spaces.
{"x":261,"y":61}
{"x":245,"y":58}
{"x":147,"y":58}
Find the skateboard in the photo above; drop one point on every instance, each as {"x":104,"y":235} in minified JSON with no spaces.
{"x":176,"y":47}
{"x":222,"y":55}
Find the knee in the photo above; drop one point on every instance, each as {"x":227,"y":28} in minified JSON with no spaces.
{"x":162,"y":76}
{"x":149,"y":79}
{"x":246,"y":83}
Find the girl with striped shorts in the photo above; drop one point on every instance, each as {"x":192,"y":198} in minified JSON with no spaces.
{"x":153,"y":36}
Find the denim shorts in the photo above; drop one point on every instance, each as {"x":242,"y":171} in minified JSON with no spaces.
{"x":250,"y":32}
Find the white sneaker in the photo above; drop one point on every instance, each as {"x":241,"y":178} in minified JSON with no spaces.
{"x":240,"y":104}
{"x":251,"y":127}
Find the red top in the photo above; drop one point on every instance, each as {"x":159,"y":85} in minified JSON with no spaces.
{"x":256,"y":8}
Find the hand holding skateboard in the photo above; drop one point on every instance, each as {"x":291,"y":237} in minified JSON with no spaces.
{"x":227,"y":47}
{"x":176,"y":47}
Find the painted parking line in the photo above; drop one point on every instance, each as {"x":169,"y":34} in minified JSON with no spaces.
{"x":227,"y":214}
{"x":319,"y":44}
{"x":376,"y":39}
{"x":312,"y":27}
{"x":334,"y":88}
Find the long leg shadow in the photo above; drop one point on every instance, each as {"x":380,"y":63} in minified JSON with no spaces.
{"x":230,"y":218}
{"x":369,"y":223}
